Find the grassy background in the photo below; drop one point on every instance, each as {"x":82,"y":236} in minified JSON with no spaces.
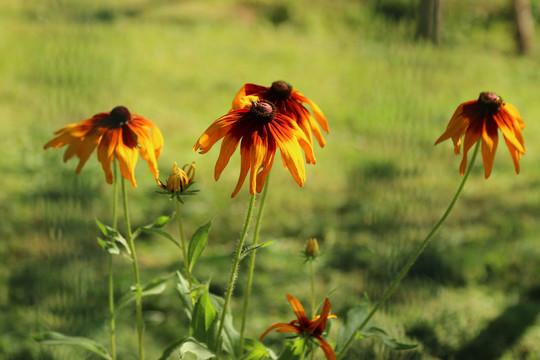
{"x":378,"y":187}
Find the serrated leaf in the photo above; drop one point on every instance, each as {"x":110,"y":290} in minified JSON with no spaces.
{"x":197,"y":244}
{"x":252,"y":248}
{"x":54,"y":338}
{"x":204,"y":320}
{"x":355,"y":317}
{"x":292,"y":350}
{"x":255,"y":350}
{"x":193,"y":349}
{"x":386,"y":339}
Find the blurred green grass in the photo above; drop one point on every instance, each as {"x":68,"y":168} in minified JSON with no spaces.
{"x":378,"y":187}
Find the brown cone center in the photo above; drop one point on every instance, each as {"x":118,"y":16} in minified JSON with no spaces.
{"x":120,"y":116}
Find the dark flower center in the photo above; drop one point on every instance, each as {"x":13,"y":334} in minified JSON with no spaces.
{"x":119,"y":116}
{"x":280,"y":90}
{"x":263,"y":111}
{"x":491,"y":102}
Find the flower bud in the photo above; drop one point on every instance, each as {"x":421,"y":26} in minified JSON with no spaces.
{"x":179,"y":179}
{"x":312,"y":249}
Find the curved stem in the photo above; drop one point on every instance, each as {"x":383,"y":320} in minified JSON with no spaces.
{"x":183,"y":241}
{"x":232,"y":277}
{"x":417,"y":252}
{"x":112,"y":326}
{"x":252,"y":265}
{"x":138,"y":288}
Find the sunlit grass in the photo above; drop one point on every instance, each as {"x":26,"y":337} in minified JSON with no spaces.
{"x":378,"y":186}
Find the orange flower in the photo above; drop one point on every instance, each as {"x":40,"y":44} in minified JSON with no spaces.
{"x":481,"y":119}
{"x":303,"y":326}
{"x":262,"y":131}
{"x":117,"y":133}
{"x":288,"y":101}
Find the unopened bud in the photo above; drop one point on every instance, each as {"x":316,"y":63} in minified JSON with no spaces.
{"x":312,"y":248}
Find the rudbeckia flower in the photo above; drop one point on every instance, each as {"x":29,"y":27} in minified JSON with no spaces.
{"x":483,"y":118}
{"x":117,"y":133}
{"x":262,"y":131}
{"x":303,"y":326}
{"x":289,"y":101}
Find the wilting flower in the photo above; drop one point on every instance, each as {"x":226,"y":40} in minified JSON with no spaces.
{"x":117,"y":133}
{"x":262,"y":131}
{"x":481,"y":119}
{"x":179,"y":181}
{"x":303,"y":326}
{"x":288,"y":101}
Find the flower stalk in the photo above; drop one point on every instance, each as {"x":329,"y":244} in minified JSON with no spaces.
{"x":417,"y":252}
{"x":112,"y":326}
{"x":183,"y":241}
{"x":138,"y":287}
{"x":252,"y":265}
{"x":233,"y":275}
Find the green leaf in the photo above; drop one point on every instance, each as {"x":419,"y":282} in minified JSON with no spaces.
{"x":386,"y":339}
{"x":162,"y":233}
{"x":192,"y":349}
{"x":109,"y":246}
{"x":251,"y":248}
{"x":112,"y":235}
{"x":54,"y":338}
{"x":170,"y":349}
{"x":197,"y":244}
{"x":160,"y":222}
{"x":292,"y":350}
{"x":255,"y":350}
{"x":231,"y":337}
{"x":154,"y":287}
{"x":355,"y":317}
{"x":204,"y":320}
{"x":185,"y":294}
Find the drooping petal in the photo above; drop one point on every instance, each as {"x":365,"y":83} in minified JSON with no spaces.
{"x":228,"y":147}
{"x":217,"y":130}
{"x":326,"y":348}
{"x":506,"y":124}
{"x":244,"y":166}
{"x":257,"y":156}
{"x":106,"y":152}
{"x":317,"y":326}
{"x":490,"y":139}
{"x":299,"y":311}
{"x":473,"y":134}
{"x":87,"y":148}
{"x":286,"y":326}
{"x":144,"y":145}
{"x":321,"y":119}
{"x":127,"y":159}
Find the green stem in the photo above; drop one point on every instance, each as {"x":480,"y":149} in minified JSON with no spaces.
{"x":111,"y":278}
{"x":183,"y":241}
{"x":232,"y":277}
{"x":252,"y":266}
{"x":312,"y":277}
{"x":417,"y":252}
{"x":138,"y":288}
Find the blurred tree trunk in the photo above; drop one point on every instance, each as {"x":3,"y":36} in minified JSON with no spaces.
{"x":429,"y":20}
{"x":525,"y":26}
